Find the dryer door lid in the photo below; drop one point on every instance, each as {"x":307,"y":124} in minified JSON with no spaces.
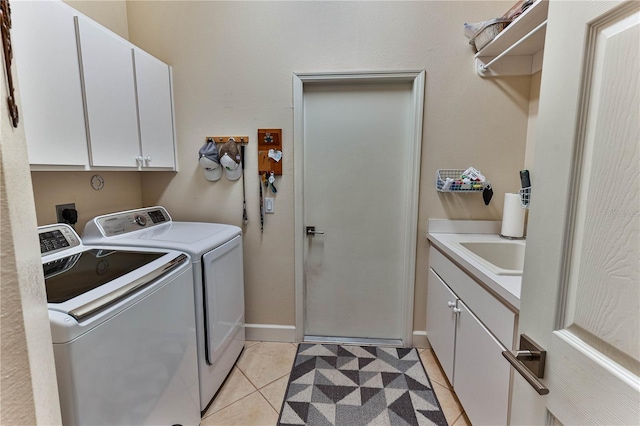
{"x":224,"y":296}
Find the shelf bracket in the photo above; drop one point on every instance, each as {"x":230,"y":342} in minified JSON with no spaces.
{"x":503,"y":64}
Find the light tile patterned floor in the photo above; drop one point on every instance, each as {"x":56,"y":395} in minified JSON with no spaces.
{"x":253,"y":392}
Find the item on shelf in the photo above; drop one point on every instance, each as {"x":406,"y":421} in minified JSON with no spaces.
{"x":525,"y":191}
{"x":460,"y":180}
{"x":517,"y":9}
{"x":485,"y":31}
{"x":487,"y":195}
{"x":525,"y":197}
{"x":512,"y":217}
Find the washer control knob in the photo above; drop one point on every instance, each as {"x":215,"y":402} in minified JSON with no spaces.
{"x":140,"y":220}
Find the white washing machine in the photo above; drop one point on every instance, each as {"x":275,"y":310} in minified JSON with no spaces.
{"x":216,"y":254}
{"x":123,"y":331}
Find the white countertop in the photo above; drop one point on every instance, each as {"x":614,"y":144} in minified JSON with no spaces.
{"x":505,"y":287}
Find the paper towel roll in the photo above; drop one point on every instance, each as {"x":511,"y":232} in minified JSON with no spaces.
{"x":512,"y":216}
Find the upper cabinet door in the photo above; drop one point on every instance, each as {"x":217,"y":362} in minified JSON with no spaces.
{"x":46,"y":54}
{"x":109,"y":87}
{"x":155,"y":110}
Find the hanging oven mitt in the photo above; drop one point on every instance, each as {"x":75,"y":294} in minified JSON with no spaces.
{"x":487,"y":194}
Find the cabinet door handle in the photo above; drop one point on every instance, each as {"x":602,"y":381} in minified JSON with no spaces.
{"x":457,"y":310}
{"x":147,"y":158}
{"x":451,"y":304}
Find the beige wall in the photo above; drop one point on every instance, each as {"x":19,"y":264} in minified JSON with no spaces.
{"x":534,"y":99}
{"x":122,"y":190}
{"x":28,"y":387}
{"x":110,"y":13}
{"x":233,"y":65}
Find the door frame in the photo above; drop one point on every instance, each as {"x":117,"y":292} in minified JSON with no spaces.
{"x":417,"y":78}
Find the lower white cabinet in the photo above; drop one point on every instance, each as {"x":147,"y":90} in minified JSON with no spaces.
{"x":441,"y":322}
{"x":468,"y":351}
{"x":481,"y":378}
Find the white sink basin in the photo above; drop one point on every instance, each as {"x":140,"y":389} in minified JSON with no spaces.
{"x":500,"y":257}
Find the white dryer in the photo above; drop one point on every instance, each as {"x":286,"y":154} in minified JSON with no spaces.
{"x":123,"y":331}
{"x":216,"y":253}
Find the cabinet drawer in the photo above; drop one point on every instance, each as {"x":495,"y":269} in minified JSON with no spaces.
{"x":489,"y":310}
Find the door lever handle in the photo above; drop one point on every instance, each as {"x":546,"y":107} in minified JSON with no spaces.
{"x":311,"y":230}
{"x":529,"y":361}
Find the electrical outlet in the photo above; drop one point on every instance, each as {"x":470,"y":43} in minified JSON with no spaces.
{"x":269,"y":206}
{"x":60,"y":207}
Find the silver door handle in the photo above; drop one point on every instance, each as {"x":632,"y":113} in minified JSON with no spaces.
{"x":311,"y":230}
{"x":529,"y":361}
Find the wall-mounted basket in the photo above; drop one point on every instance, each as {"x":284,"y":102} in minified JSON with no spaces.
{"x":525,"y":197}
{"x":457,"y":185}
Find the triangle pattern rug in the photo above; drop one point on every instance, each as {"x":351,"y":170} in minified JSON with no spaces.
{"x":344,"y":385}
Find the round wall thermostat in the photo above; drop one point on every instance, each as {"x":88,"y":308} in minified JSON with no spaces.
{"x":97,"y":182}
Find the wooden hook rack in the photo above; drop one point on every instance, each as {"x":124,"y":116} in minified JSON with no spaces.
{"x":225,"y":139}
{"x":269,"y":139}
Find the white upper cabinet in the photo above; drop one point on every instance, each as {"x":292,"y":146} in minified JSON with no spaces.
{"x":110,"y":96}
{"x":46,"y":56}
{"x":90,"y":99}
{"x":155,"y":110}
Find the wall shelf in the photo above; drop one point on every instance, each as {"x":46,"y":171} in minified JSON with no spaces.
{"x":516,"y":50}
{"x":457,"y":185}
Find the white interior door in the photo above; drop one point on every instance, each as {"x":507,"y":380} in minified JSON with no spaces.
{"x":581,"y":285}
{"x":358,"y":182}
{"x":355,"y":180}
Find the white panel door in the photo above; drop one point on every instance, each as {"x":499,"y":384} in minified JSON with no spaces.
{"x":46,"y":54}
{"x":581,"y":285}
{"x":155,"y":110}
{"x":441,"y":322}
{"x":109,"y":87}
{"x":356,"y":187}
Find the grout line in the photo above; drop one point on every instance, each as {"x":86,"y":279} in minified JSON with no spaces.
{"x":457,"y":418}
{"x":232,"y":402}
{"x":444,"y":385}
{"x":444,"y":376}
{"x":273,"y":381}
{"x":247,"y":377}
{"x":229,"y":404}
{"x":269,"y":402}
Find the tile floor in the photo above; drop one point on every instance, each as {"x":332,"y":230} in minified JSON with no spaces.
{"x":253,"y":392}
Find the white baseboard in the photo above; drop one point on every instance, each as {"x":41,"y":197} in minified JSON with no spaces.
{"x":270,"y":332}
{"x":287,"y":333}
{"x":420,"y":339}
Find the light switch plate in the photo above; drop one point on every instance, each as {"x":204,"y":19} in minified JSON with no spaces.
{"x":269,"y":206}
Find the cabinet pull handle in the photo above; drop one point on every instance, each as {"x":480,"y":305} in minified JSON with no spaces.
{"x":457,"y":310}
{"x":451,"y":304}
{"x":147,"y":158}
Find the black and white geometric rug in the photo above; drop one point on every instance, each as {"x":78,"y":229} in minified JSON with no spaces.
{"x":344,"y":385}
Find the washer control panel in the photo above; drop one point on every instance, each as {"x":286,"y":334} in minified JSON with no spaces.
{"x":130,"y":221}
{"x":54,"y":238}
